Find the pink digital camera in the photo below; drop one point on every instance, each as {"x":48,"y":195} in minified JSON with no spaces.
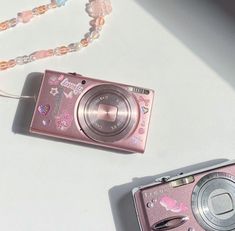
{"x":202,"y":200}
{"x":78,"y":108}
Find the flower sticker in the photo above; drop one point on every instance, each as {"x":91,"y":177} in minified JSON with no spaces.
{"x":63,"y":121}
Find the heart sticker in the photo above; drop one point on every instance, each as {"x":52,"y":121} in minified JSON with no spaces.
{"x":44,"y":109}
{"x":145,"y":110}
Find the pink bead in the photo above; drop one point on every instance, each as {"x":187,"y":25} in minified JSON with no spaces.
{"x":97,"y":22}
{"x":99,"y":8}
{"x":41,"y":54}
{"x":49,"y":52}
{"x":11,"y":63}
{"x":25,"y":16}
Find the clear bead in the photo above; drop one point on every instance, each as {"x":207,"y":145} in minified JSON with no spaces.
{"x":27,"y":59}
{"x":73,"y":47}
{"x":98,"y":28}
{"x":48,"y":6}
{"x":32,"y":57}
{"x":12,"y":22}
{"x":35,"y":11}
{"x":94,"y":35}
{"x":80,"y":46}
{"x":57,"y":51}
{"x":19,"y":60}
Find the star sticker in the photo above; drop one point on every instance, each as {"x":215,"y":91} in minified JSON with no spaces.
{"x":54,"y":91}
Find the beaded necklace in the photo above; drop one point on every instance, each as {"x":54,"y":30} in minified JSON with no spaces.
{"x":97,"y":9}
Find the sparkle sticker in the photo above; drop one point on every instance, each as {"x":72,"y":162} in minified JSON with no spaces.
{"x":63,"y":121}
{"x":172,"y":205}
{"x":44,"y":109}
{"x":54,"y":91}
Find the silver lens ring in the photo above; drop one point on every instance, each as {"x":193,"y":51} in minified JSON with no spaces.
{"x":213,"y":202}
{"x":108,"y":113}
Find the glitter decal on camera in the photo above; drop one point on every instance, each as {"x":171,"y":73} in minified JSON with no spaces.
{"x":44,"y":109}
{"x":172,"y":205}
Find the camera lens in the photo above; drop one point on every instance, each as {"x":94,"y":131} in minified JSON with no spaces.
{"x":213,"y":202}
{"x":107,"y":113}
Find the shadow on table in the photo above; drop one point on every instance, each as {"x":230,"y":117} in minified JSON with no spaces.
{"x":26,"y":107}
{"x":207,"y":27}
{"x":121,"y":198}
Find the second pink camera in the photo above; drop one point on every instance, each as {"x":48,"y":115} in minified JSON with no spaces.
{"x":203,"y":200}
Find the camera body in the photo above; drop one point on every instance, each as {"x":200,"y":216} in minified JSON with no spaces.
{"x":202,"y":200}
{"x":83,"y":109}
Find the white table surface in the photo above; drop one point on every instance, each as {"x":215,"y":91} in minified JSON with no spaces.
{"x":183,"y":49}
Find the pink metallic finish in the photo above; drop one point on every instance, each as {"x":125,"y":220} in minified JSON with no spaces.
{"x":107,"y":113}
{"x":160,"y":201}
{"x":93,"y":111}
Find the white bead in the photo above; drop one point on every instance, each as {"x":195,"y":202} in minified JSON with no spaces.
{"x":19,"y":60}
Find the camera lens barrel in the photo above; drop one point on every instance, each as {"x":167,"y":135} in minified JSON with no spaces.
{"x":213,"y":202}
{"x":107,"y":113}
